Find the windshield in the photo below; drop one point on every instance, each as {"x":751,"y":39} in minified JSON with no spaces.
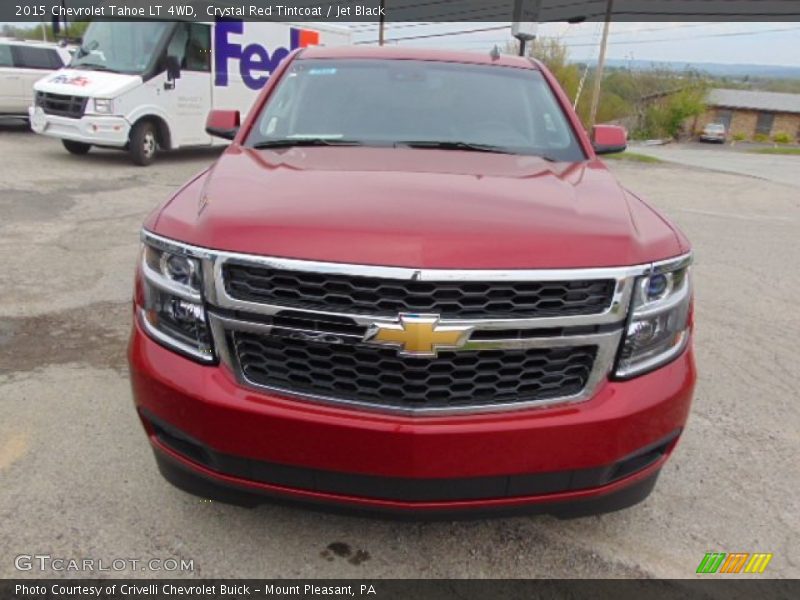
{"x":120,"y":46}
{"x":416,"y":103}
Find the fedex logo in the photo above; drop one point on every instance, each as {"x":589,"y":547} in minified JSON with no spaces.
{"x":255,"y":62}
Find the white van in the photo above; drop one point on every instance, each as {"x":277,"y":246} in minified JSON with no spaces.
{"x":149,"y":85}
{"x":22,"y":64}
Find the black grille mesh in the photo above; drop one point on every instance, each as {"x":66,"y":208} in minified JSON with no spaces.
{"x":61,"y":105}
{"x":380,"y":377}
{"x":375,"y":296}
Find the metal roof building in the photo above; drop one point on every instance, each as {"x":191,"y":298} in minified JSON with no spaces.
{"x":755,"y":100}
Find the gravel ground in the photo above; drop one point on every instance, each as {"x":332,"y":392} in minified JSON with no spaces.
{"x":77,"y":478}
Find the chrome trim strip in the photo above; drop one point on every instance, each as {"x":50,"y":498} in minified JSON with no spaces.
{"x":436,"y":275}
{"x":591,"y":339}
{"x":616,"y":312}
{"x":673,"y":264}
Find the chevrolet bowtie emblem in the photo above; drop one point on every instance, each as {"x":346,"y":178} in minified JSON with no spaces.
{"x":418,"y":335}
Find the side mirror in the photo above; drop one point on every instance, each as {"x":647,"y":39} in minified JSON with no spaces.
{"x":223,"y":123}
{"x":609,"y":139}
{"x":173,"y":67}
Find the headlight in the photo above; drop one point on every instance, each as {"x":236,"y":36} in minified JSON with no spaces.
{"x":658,"y":329}
{"x":103,"y":106}
{"x":173,"y":312}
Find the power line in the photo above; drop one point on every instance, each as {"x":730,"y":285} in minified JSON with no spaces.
{"x":567,"y":36}
{"x":566,"y":39}
{"x":709,"y":35}
{"x":438,"y":35}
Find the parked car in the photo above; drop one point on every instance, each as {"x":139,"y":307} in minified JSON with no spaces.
{"x":410,"y":285}
{"x":714,"y":132}
{"x":23,"y":63}
{"x":147,"y":86}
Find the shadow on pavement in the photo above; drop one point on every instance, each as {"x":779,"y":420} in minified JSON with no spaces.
{"x":19,"y":129}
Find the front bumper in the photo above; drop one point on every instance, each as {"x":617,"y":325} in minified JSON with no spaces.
{"x":213,"y":437}
{"x":89,"y":129}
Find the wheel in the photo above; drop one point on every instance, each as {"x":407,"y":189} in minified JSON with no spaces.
{"x":143,"y":143}
{"x":76,"y":147}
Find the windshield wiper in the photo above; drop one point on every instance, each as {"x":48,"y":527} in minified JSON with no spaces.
{"x":470,"y":147}
{"x":291,"y":142}
{"x":448,"y":145}
{"x":95,"y":67}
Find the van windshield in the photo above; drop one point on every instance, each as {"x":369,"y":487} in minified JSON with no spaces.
{"x":412,"y":103}
{"x":120,"y":46}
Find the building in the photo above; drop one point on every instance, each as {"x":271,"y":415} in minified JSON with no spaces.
{"x":753,"y":114}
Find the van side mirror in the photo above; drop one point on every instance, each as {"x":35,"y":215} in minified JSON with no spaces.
{"x":223,"y":123}
{"x":173,"y":67}
{"x":609,"y":139}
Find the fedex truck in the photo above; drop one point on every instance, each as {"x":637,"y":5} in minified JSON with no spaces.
{"x":148,"y":86}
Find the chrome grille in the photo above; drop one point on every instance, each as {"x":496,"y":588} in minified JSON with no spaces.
{"x":449,"y":299}
{"x":379,"y":377}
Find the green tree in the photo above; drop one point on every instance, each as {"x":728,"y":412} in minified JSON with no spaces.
{"x":669,"y":117}
{"x":44,"y":31}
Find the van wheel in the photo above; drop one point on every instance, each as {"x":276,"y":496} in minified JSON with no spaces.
{"x":143,"y":143}
{"x":76,"y":147}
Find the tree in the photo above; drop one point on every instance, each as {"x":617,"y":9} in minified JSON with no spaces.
{"x":555,"y":56}
{"x":669,"y":117}
{"x":74,"y":30}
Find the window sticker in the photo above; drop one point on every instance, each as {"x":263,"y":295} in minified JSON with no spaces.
{"x":322,"y":71}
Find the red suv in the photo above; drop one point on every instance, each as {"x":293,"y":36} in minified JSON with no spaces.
{"x":409,"y":285}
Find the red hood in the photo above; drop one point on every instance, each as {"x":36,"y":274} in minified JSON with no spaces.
{"x":416,"y":208}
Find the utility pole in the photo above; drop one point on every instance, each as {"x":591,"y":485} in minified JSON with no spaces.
{"x":381,"y":23}
{"x":601,"y":61}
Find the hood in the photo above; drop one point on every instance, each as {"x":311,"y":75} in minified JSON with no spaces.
{"x":416,"y":208}
{"x":82,"y":82}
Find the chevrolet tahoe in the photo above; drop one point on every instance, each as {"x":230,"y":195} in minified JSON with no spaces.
{"x":410,"y":285}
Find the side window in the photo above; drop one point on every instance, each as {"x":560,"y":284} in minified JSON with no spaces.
{"x":6,"y":60}
{"x":191,"y":45}
{"x":198,"y":48}
{"x":177,"y":45}
{"x":27,"y":57}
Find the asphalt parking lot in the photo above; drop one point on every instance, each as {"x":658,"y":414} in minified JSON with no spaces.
{"x":77,"y":478}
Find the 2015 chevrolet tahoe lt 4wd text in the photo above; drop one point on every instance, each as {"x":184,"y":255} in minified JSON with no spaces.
{"x":409,"y":285}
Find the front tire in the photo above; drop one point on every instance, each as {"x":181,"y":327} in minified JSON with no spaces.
{"x":76,"y":147}
{"x":143,"y":143}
